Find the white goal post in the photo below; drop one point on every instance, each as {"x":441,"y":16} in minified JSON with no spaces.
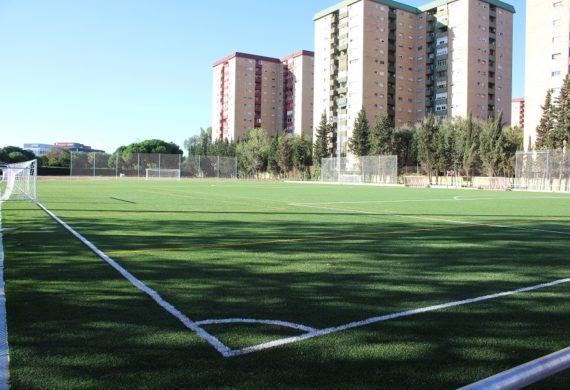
{"x":162,"y":173}
{"x":19,"y":181}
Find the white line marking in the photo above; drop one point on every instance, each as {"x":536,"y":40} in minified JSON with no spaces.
{"x":253,"y":321}
{"x":566,"y":233}
{"x":4,"y":348}
{"x":455,"y":198}
{"x":392,"y":316}
{"x":217,"y":344}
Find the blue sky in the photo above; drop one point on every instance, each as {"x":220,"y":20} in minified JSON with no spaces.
{"x":110,"y":72}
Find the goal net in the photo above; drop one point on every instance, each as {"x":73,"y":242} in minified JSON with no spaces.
{"x":19,"y":181}
{"x":161,"y":173}
{"x":545,"y":170}
{"x":367,"y":169}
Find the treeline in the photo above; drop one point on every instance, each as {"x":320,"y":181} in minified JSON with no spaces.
{"x":466,"y":146}
{"x":553,"y":130}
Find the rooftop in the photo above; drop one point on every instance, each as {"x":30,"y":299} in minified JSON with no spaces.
{"x":408,"y":8}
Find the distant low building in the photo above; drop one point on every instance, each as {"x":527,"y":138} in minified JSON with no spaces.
{"x":75,"y":147}
{"x":38,"y":149}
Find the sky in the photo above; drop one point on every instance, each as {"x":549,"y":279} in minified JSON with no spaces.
{"x":107,"y":73}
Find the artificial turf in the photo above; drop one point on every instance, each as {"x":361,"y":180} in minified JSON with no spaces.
{"x":317,"y":255}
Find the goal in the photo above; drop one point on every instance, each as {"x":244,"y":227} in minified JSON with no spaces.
{"x":161,"y":173}
{"x":19,"y":181}
{"x":416,"y":181}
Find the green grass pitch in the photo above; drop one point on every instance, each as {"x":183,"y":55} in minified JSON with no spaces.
{"x":320,"y":256}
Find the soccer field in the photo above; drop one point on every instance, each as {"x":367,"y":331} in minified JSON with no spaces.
{"x":282,"y":285}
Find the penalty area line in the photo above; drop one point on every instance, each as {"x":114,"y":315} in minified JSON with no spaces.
{"x":392,"y":316}
{"x":217,"y":344}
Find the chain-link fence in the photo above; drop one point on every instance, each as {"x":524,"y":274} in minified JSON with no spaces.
{"x":138,"y":165}
{"x":368,"y":169}
{"x":545,"y":170}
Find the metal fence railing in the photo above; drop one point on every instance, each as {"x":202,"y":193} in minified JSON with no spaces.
{"x":137,"y":165}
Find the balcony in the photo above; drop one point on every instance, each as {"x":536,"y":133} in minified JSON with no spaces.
{"x":341,"y":103}
{"x":343,"y":47}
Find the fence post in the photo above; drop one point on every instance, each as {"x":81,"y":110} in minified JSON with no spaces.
{"x":94,"y":163}
{"x":138,"y":165}
{"x":218,"y":168}
{"x":159,"y":173}
{"x":70,"y":163}
{"x":117,"y":166}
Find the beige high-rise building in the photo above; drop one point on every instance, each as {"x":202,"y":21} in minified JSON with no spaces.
{"x":251,"y":91}
{"x":449,"y":57}
{"x":547,"y":57}
{"x":298,"y":78}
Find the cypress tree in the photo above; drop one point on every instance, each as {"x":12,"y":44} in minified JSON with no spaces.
{"x":359,"y":143}
{"x":546,"y":123}
{"x":561,"y":113}
{"x":382,"y":137}
{"x":321,"y":145}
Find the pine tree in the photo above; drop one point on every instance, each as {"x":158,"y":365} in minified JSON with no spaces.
{"x":382,"y":137}
{"x":321,"y":145}
{"x":332,"y":138}
{"x":359,"y":143}
{"x":546,"y":123}
{"x":561,"y":113}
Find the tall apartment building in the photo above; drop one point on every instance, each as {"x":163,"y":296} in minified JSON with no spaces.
{"x":252,"y":91}
{"x":517,"y":112}
{"x":547,"y":57}
{"x":449,"y":57}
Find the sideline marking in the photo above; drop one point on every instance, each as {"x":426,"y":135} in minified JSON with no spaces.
{"x":4,"y":348}
{"x":459,"y":222}
{"x":217,"y":344}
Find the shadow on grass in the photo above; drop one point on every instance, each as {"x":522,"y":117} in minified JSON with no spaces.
{"x":75,"y":323}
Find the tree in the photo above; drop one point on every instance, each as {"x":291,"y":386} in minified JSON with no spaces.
{"x":301,"y":154}
{"x":198,"y":145}
{"x":513,"y":142}
{"x":57,"y":157}
{"x":14,"y":154}
{"x":492,"y":145}
{"x":382,"y":137}
{"x":321,"y":145}
{"x":359,"y":143}
{"x":561,"y":112}
{"x":284,"y":155}
{"x":470,"y":145}
{"x":424,"y":138}
{"x":272,"y":164}
{"x":546,"y":123}
{"x":151,"y":146}
{"x":405,"y":147}
{"x":223,"y":148}
{"x":253,"y":151}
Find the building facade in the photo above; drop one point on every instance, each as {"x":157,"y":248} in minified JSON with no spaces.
{"x":251,"y":91}
{"x":547,"y":57}
{"x":38,"y":149}
{"x":449,"y":57}
{"x":517,"y":112}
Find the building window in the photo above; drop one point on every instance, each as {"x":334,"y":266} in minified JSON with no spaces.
{"x":556,"y":56}
{"x":557,"y":4}
{"x":557,"y":22}
{"x":556,"y":73}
